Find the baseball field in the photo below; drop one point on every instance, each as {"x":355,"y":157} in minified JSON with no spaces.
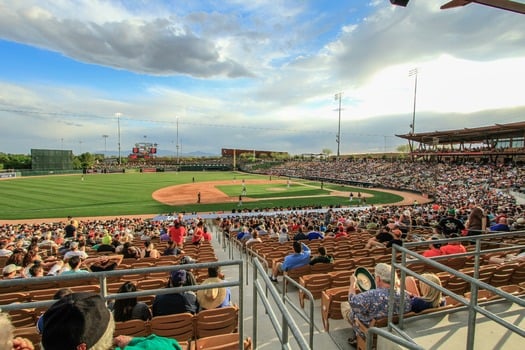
{"x":104,"y":195}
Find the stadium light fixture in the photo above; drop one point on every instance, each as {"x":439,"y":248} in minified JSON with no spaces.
{"x":105,"y":144}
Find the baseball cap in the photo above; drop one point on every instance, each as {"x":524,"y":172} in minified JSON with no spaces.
{"x":77,"y":318}
{"x":178,"y":277}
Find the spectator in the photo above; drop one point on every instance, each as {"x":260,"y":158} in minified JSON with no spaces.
{"x":477,"y":221}
{"x":175,"y":303}
{"x":7,"y":339}
{"x":172,"y":249}
{"x":434,"y":249}
{"x":299,"y":236}
{"x":314,"y":234}
{"x":57,"y":296}
{"x":82,"y":321}
{"x":75,"y":251}
{"x":501,"y":225}
{"x":255,"y":239}
{"x":322,"y":258}
{"x":372,"y":304}
{"x":130,"y":308}
{"x":11,"y":271}
{"x":454,"y":247}
{"x":283,"y":235}
{"x":149,"y":251}
{"x":430,"y":297}
{"x":512,"y":257}
{"x":73,"y":266}
{"x":450,"y":224}
{"x":129,"y":251}
{"x":214,"y":297}
{"x":380,"y":239}
{"x":3,"y":250}
{"x":300,"y":257}
{"x":206,"y":235}
{"x":177,"y":233}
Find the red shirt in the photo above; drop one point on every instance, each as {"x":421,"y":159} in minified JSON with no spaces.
{"x":177,"y":234}
{"x":432,"y":252}
{"x":453,"y":249}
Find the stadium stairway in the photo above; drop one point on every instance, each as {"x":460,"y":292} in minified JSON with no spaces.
{"x":266,"y":336}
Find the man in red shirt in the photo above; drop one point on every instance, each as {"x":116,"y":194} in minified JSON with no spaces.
{"x":453,"y":247}
{"x":177,"y":233}
{"x":433,"y":248}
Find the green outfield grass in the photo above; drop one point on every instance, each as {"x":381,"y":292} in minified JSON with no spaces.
{"x":128,"y":194}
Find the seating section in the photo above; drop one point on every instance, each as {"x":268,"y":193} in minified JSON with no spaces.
{"x":184,"y":327}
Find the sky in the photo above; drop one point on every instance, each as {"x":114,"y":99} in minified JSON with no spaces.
{"x":84,"y":75}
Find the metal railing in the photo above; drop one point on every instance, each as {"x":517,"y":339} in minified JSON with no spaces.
{"x":470,"y":305}
{"x":261,"y":286}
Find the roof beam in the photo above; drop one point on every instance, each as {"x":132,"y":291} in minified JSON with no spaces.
{"x":508,"y":5}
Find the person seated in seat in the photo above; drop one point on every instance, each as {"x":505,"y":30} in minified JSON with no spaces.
{"x":73,"y":266}
{"x":214,"y":297}
{"x":430,"y":297}
{"x":322,"y":258}
{"x":83,"y":321}
{"x":453,"y":247}
{"x":434,"y":249}
{"x":299,"y":257}
{"x":130,"y":308}
{"x":371,"y":304}
{"x":176,"y":303}
{"x":7,"y":340}
{"x":509,"y":258}
{"x":149,"y":251}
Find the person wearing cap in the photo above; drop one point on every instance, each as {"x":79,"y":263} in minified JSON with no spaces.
{"x":178,"y":302}
{"x":10,"y":271}
{"x":82,"y":321}
{"x":214,"y":297}
{"x":371,"y":304}
{"x":76,"y":250}
{"x":434,"y":249}
{"x":450,"y":224}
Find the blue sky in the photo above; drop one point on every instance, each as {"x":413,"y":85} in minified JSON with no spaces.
{"x":251,"y":75}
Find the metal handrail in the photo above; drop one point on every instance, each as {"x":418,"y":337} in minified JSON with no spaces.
{"x":288,"y":323}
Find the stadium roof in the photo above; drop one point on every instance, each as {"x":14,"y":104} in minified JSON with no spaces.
{"x":469,"y":135}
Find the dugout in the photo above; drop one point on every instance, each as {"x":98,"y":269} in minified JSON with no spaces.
{"x":51,"y":159}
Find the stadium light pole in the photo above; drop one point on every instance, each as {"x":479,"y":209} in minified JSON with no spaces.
{"x":105,"y":145}
{"x":413,"y":72}
{"x":338,"y":137}
{"x":118,"y":125}
{"x":177,"y":145}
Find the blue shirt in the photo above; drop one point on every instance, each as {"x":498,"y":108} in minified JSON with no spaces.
{"x":314,"y":235}
{"x":297,"y":259}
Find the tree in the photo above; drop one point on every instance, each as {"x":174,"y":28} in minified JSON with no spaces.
{"x":327,"y":152}
{"x":403,"y":148}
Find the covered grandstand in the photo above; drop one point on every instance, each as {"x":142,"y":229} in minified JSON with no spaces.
{"x":497,"y":143}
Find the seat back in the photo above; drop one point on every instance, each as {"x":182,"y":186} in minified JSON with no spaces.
{"x":216,"y":321}
{"x":177,"y":326}
{"x":331,"y":300}
{"x":222,"y":342}
{"x":133,"y":328}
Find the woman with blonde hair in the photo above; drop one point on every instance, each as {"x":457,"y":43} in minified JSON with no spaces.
{"x":430,"y":297}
